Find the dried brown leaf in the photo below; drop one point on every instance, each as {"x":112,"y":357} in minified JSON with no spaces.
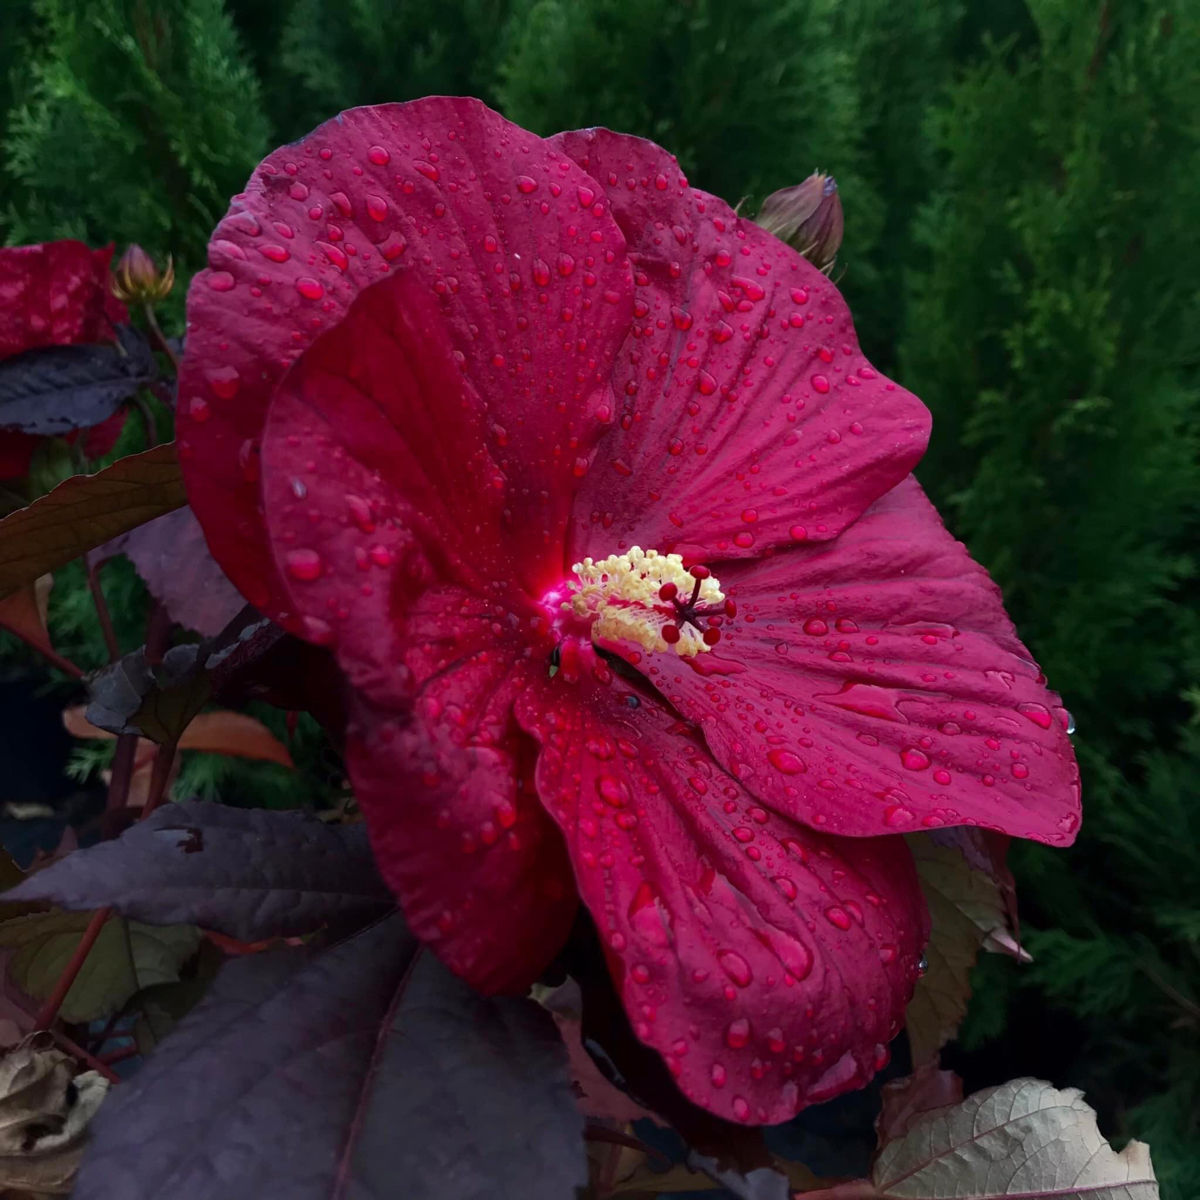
{"x":1024,"y":1138}
{"x":45,"y":1108}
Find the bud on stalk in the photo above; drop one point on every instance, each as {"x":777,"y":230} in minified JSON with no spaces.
{"x":136,"y":279}
{"x":807,"y":216}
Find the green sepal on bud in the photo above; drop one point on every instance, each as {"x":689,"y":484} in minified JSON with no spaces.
{"x":136,"y":279}
{"x":807,"y":216}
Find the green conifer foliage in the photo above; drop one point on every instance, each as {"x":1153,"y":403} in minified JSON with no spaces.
{"x":336,"y":56}
{"x":135,"y":120}
{"x":1052,"y":330}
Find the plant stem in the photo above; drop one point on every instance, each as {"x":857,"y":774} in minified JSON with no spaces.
{"x":102,"y":613}
{"x":49,"y":1010}
{"x":120,"y":1055}
{"x":158,"y":634}
{"x":122,"y":772}
{"x":160,"y":773}
{"x":65,"y":665}
{"x":77,"y":1051}
{"x":159,"y":338}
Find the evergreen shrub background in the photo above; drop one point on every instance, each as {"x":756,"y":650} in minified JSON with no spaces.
{"x":1021,"y":183}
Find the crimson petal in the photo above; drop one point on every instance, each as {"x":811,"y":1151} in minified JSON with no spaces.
{"x":56,"y":294}
{"x":458,"y":833}
{"x":533,"y":286}
{"x":769,"y":965}
{"x":876,"y":685}
{"x":750,"y":417}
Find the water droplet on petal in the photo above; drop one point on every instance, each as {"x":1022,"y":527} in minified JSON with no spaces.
{"x":303,"y":564}
{"x":839,"y":918}
{"x":737,"y":1034}
{"x":736,"y":967}
{"x":786,"y":762}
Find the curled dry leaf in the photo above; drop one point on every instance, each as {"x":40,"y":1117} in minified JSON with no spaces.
{"x":1024,"y":1138}
{"x":969,"y":895}
{"x":84,"y":511}
{"x":45,"y":1108}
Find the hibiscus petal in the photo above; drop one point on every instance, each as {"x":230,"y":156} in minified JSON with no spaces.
{"x":56,"y":294}
{"x":457,"y":830}
{"x":531,"y":287}
{"x":769,"y":965}
{"x":750,"y":417}
{"x":877,"y":685}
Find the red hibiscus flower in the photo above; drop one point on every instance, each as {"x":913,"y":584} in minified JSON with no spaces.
{"x":54,"y":294}
{"x":588,"y":485}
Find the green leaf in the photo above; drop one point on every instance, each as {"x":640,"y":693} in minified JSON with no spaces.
{"x":85,"y":511}
{"x":126,"y":957}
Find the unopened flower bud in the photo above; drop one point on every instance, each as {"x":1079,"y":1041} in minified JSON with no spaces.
{"x":136,"y":280}
{"x":808,"y":217}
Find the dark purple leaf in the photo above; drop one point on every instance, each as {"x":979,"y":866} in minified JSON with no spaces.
{"x":60,"y":388}
{"x":367,"y":1073}
{"x":248,"y":873}
{"x":172,"y":558}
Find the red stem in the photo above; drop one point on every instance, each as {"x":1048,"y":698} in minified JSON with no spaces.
{"x":56,"y":660}
{"x":49,"y":1010}
{"x":77,"y":1051}
{"x":122,"y":772}
{"x":164,"y":759}
{"x":120,"y":1055}
{"x":102,"y":613}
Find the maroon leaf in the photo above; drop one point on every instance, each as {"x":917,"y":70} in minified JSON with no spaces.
{"x":248,"y":873}
{"x":60,"y":388}
{"x":367,"y":1072}
{"x":172,"y":558}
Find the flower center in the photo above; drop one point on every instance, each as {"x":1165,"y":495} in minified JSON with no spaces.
{"x":650,"y":599}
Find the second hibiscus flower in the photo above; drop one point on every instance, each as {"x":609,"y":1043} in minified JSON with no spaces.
{"x":610,"y":525}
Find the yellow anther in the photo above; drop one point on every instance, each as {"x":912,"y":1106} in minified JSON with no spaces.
{"x":622,"y":596}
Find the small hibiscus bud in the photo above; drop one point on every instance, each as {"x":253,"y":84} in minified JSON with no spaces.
{"x":808,"y":217}
{"x":136,"y":279}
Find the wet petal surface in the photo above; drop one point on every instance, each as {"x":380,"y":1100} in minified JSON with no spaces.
{"x":446,"y":786}
{"x":769,"y":965}
{"x":748,"y":417}
{"x":877,"y":686}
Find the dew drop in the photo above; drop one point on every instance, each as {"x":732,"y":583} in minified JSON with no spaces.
{"x":737,"y":1035}
{"x":786,"y":762}
{"x":304,"y":565}
{"x":736,"y":967}
{"x":839,"y":918}
{"x":223,"y":382}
